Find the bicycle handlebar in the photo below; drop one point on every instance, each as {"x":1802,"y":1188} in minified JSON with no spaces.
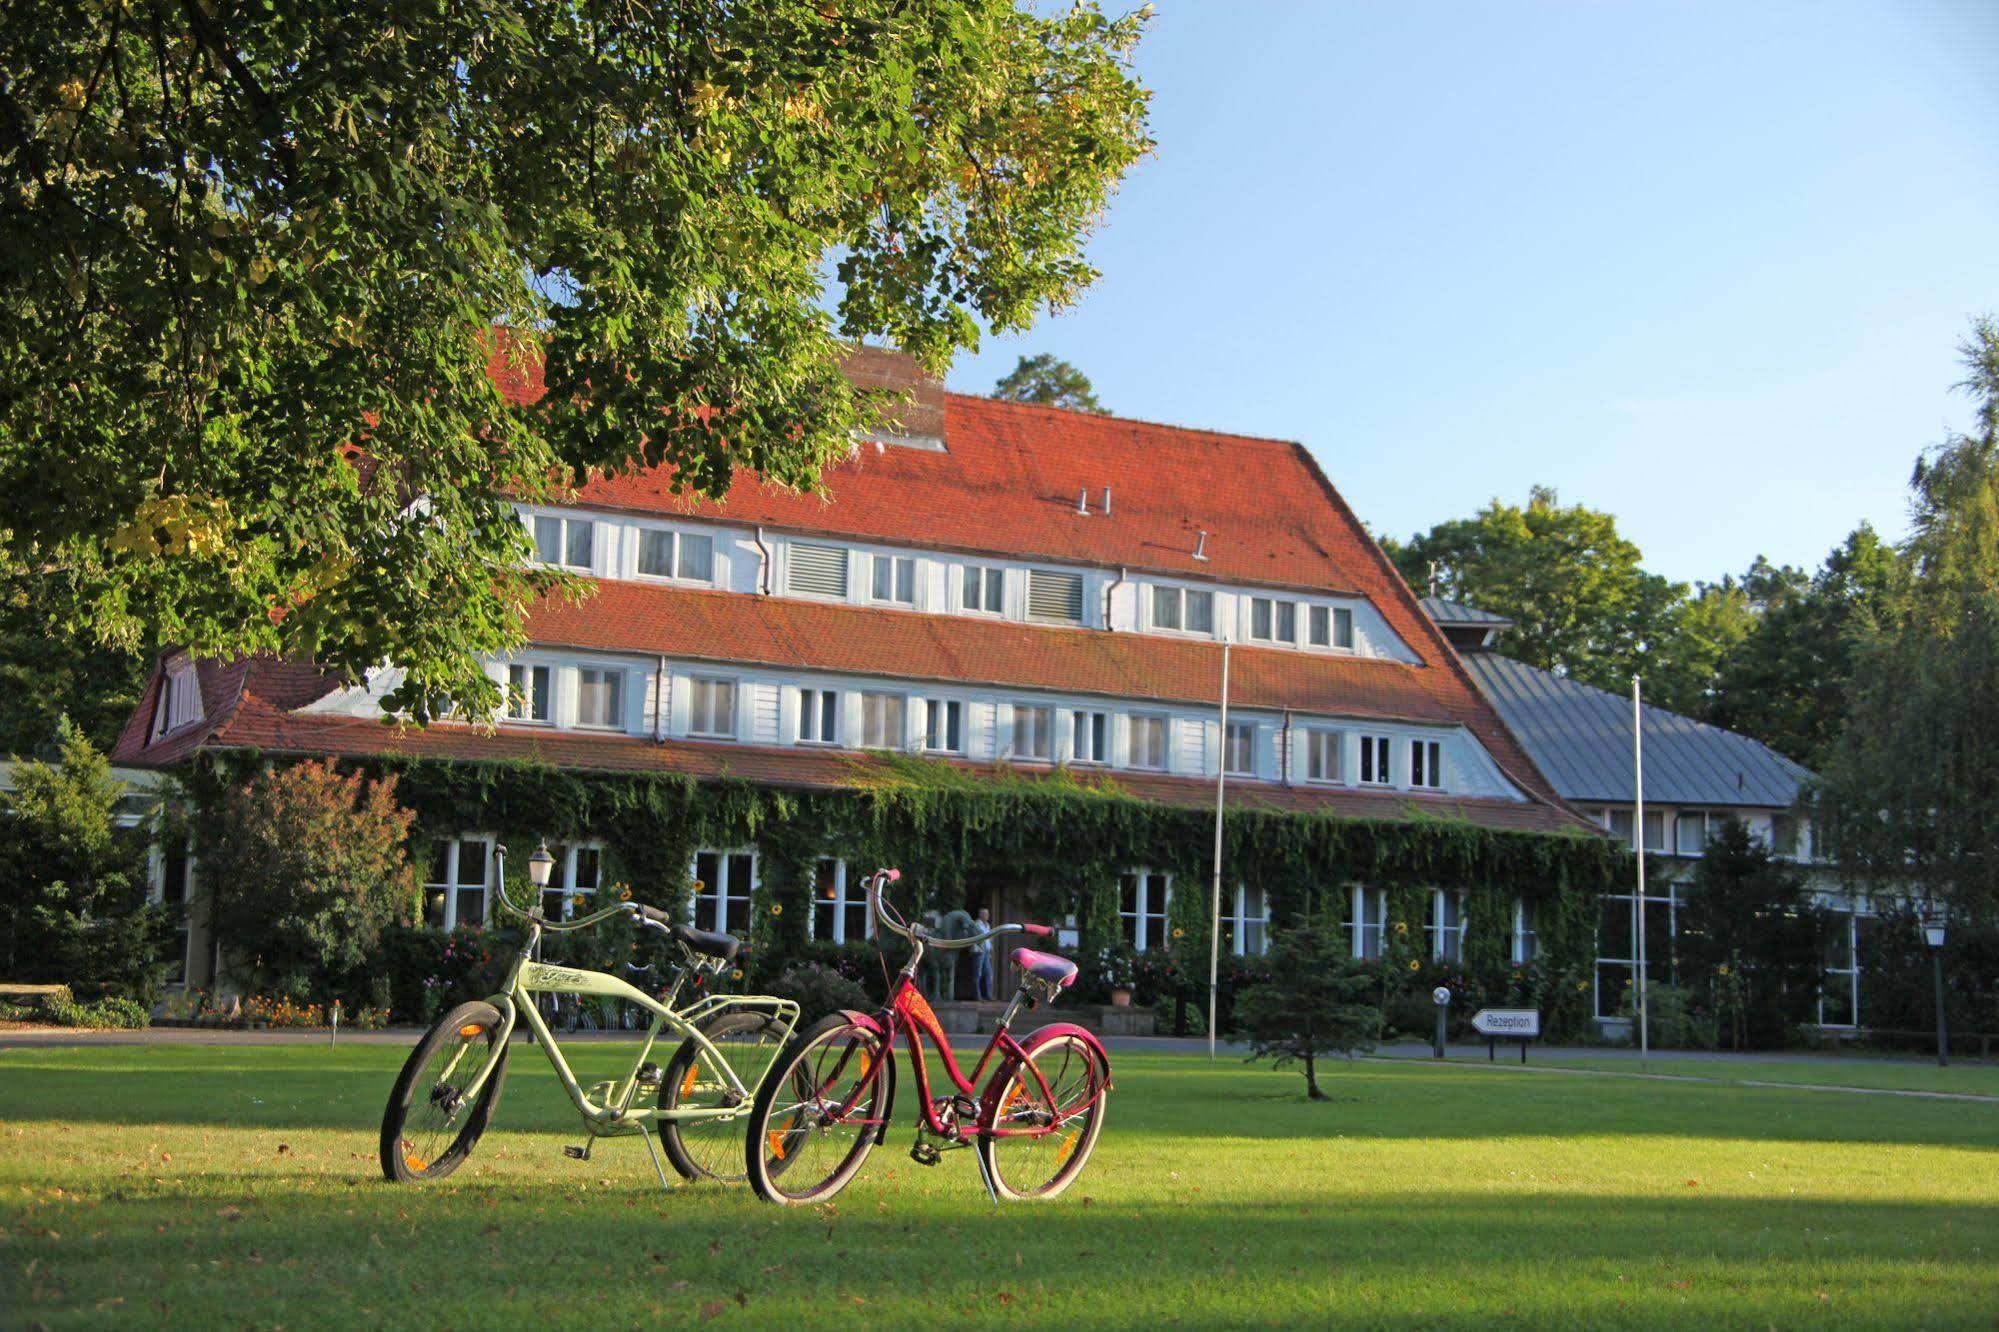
{"x":895,"y":924}
{"x":638,"y":911}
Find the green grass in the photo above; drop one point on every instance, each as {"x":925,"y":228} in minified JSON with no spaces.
{"x":237,"y":1186}
{"x":1978,"y":1078}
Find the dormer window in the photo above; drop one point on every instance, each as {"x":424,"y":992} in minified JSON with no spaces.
{"x":1426,"y":764}
{"x":1330,"y":626}
{"x":985,"y":588}
{"x":895,"y":580}
{"x":567,"y":542}
{"x":684,"y":555}
{"x":179,"y":702}
{"x":1183,"y":609}
{"x":1273,"y":621}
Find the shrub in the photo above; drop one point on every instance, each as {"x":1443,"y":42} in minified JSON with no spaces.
{"x":1311,"y":1005}
{"x":819,"y":990}
{"x":307,"y":868}
{"x":98,"y":1014}
{"x":73,"y":883}
{"x":1678,"y":1017}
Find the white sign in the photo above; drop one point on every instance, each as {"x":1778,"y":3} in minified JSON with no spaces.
{"x":1517,"y":1024}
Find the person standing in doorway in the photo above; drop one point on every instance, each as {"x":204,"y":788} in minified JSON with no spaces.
{"x":982,"y":959}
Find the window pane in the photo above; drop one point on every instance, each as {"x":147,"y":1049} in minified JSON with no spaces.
{"x":1692,"y":834}
{"x":905,"y":580}
{"x":1201,"y":612}
{"x":1620,"y":825}
{"x":973,"y":587}
{"x":697,"y":558}
{"x":1321,"y":626}
{"x":1287,"y":622}
{"x":995,"y":589}
{"x":579,"y":534}
{"x":548,"y":540}
{"x":1166,"y":607}
{"x":1259,"y":618}
{"x":656,"y":553}
{"x":884,"y":577}
{"x":597,"y":698}
{"x":1342,"y":628}
{"x":1613,"y":930}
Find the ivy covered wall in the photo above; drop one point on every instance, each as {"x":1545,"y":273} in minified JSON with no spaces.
{"x":1056,"y":844}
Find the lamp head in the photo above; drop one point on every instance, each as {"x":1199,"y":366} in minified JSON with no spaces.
{"x":1933,"y":930}
{"x":540,"y":865}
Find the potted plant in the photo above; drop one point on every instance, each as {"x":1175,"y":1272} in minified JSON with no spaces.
{"x":1116,"y":967}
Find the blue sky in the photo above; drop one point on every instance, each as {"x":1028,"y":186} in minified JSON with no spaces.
{"x":1702,"y":265}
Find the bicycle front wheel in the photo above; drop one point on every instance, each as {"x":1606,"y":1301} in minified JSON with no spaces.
{"x":1045,"y":1126}
{"x":819,"y":1113}
{"x":430,"y":1125}
{"x":710,"y":1146}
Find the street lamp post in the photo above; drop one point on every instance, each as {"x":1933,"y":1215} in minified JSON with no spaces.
{"x":1933,"y":935}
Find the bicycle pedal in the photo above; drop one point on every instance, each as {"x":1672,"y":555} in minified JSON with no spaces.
{"x":651,"y":1075}
{"x":575,"y":1153}
{"x":924,"y":1153}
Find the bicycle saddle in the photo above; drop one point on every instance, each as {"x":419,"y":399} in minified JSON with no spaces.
{"x":1057,"y":971}
{"x":709,"y":943}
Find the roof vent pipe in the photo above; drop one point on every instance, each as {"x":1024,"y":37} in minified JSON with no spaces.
{"x":1107,"y":501}
{"x":1201,"y":546}
{"x":1083,"y":501}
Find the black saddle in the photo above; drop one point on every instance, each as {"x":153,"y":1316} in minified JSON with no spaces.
{"x":709,"y":943}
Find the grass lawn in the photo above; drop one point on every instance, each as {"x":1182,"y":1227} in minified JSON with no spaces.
{"x":1975,"y":1077}
{"x":237,"y":1186}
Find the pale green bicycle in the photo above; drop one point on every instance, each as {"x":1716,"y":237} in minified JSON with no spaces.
{"x":697,"y":1102}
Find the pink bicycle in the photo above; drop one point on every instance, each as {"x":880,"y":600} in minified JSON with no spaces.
{"x":831,"y":1093}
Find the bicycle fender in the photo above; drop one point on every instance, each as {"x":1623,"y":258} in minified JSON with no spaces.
{"x":869,"y":1022}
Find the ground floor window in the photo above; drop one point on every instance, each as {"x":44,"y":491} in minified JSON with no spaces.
{"x":1526,"y":941}
{"x":1245,"y":921}
{"x":573,"y":883}
{"x":176,"y":888}
{"x":1142,"y":898}
{"x":1446,"y":925}
{"x":1839,"y":999}
{"x":1617,"y":945}
{"x":839,"y":907}
{"x":1367,"y":920}
{"x":455,"y":890}
{"x":723,"y":882}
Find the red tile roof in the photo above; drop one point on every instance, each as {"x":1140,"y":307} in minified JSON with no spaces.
{"x":260,"y":697}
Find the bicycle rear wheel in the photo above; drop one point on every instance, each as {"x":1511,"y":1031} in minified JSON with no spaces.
{"x":429,"y":1127}
{"x":710,"y":1147}
{"x":819,"y":1113}
{"x":1052,"y":1132}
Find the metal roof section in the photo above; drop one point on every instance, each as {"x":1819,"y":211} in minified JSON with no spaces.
{"x":1580,"y":737}
{"x":1441,"y":611}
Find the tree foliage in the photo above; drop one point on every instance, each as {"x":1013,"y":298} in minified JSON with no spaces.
{"x":1051,"y":382}
{"x":52,"y":667}
{"x":305,"y":867}
{"x":1909,"y":795}
{"x":1313,"y":1005}
{"x":1750,"y":935}
{"x":73,"y":882}
{"x":253,"y":259}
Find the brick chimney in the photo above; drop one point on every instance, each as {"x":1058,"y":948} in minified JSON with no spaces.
{"x":917,"y":423}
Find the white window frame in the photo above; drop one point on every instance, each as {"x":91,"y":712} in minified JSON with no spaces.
{"x":1379,"y":758}
{"x":1138,"y":721}
{"x":1526,"y":932}
{"x":1045,"y":715}
{"x":1094,"y":724}
{"x":1663,"y":895}
{"x":1851,"y":971}
{"x":898,"y":704}
{"x":818,"y":716}
{"x":617,"y":677}
{"x":846,"y":894}
{"x":453,"y":883}
{"x":900,"y":571}
{"x":1138,"y":922}
{"x":704,"y":723}
{"x":1682,"y":820}
{"x":1447,"y":940}
{"x":982,"y":589}
{"x":1248,"y":730}
{"x":1322,"y":745}
{"x":943,"y":725}
{"x":179,"y":703}
{"x":562,"y":882}
{"x":1367,"y":921}
{"x":1426,"y":765}
{"x":721,"y":894}
{"x":534,"y":688}
{"x":1237,"y":920}
{"x":676,"y":559}
{"x":1182,"y":601}
{"x":563,"y":525}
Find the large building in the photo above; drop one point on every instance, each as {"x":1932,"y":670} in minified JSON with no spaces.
{"x":1696,"y":776}
{"x":998,"y":587}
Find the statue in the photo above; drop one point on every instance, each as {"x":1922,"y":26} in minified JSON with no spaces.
{"x":940,"y":965}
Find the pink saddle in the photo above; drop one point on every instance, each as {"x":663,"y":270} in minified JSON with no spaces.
{"x":1057,"y":971}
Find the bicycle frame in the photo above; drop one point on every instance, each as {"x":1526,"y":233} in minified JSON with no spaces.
{"x":910,"y":1014}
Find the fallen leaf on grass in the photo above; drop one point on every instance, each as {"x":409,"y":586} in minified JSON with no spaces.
{"x":230,"y":1213}
{"x":713,"y":1309}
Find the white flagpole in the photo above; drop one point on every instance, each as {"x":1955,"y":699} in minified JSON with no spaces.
{"x":1215,"y":904}
{"x":1638,"y":830}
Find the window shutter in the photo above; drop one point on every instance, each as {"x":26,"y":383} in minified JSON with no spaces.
{"x":817,"y":571}
{"x":1054,"y":596}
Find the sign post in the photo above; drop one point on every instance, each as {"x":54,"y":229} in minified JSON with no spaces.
{"x":1507,"y":1024}
{"x":1441,"y":996}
